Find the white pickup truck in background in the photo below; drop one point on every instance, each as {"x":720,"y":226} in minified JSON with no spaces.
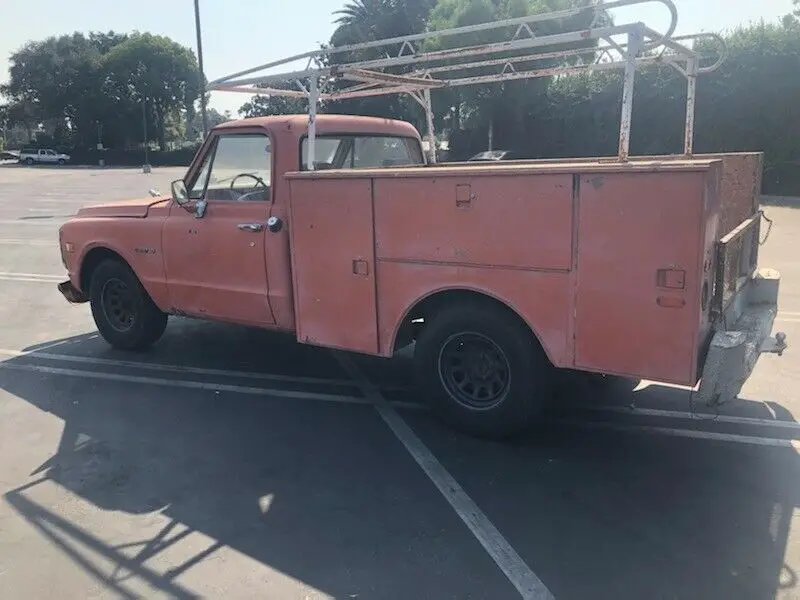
{"x":49,"y":156}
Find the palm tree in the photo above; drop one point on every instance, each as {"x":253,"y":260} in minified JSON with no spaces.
{"x":362,"y":20}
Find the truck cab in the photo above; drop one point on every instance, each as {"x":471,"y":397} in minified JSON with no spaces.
{"x":218,"y":248}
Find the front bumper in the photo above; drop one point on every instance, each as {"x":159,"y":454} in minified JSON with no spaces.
{"x":735,"y":348}
{"x":72,"y":294}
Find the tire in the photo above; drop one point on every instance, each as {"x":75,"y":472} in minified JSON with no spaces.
{"x":511,"y":407}
{"x":29,"y":161}
{"x":61,"y":161}
{"x":123,"y":311}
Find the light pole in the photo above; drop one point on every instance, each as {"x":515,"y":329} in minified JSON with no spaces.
{"x":200,"y":64}
{"x":146,"y":167}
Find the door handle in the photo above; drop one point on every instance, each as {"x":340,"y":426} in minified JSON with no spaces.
{"x":254,"y":227}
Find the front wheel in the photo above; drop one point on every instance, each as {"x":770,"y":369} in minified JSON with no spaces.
{"x":29,"y":161}
{"x":123,"y":311}
{"x":61,"y":161}
{"x":483,"y":370}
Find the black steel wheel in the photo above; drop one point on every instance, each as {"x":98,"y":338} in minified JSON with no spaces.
{"x":123,"y":311}
{"x":474,"y":370}
{"x":119,"y":304}
{"x":482,"y":369}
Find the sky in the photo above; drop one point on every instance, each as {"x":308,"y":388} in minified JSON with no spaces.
{"x":239,"y":34}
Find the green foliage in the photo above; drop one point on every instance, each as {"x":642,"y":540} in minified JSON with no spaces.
{"x":154,"y":71}
{"x":745,"y":105}
{"x":262,"y":106}
{"x":92,"y":86}
{"x":195,"y":122}
{"x":748,"y":104}
{"x":502,"y":105}
{"x":369,"y":20}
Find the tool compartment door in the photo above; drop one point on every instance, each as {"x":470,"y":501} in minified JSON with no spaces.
{"x":333,"y":268}
{"x":639,"y":273}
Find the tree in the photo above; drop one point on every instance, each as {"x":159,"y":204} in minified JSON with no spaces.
{"x":369,"y":20}
{"x":263,"y":106}
{"x":88,"y":88}
{"x":195,"y":121}
{"x":502,"y":109}
{"x":365,"y":20}
{"x":56,"y":80}
{"x":153,"y":74}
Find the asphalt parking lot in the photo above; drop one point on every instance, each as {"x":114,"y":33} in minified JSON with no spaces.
{"x":231,"y":462}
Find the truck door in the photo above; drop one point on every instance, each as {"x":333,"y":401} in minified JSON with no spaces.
{"x":333,"y":263}
{"x":216,"y":263}
{"x":639,"y":274}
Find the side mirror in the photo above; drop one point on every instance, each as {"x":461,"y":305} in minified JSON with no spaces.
{"x":179,"y":193}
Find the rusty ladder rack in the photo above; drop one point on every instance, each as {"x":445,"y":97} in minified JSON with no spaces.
{"x":423,"y":70}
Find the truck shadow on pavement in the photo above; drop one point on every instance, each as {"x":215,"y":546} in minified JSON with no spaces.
{"x":324,"y":494}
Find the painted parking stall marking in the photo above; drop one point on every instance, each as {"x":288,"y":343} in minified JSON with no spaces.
{"x":513,"y":566}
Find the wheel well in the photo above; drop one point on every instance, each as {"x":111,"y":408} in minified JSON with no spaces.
{"x":426,"y":308}
{"x":92,"y":260}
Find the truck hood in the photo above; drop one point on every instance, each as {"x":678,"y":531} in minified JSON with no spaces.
{"x":125,"y":208}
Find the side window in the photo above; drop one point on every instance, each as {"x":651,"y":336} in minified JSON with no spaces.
{"x":364,"y":151}
{"x":326,"y":151}
{"x":376,"y":152}
{"x":238,"y":169}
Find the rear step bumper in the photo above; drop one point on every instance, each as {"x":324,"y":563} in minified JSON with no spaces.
{"x":735,"y":349}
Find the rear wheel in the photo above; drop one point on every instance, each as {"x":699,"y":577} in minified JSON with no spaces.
{"x":123,"y":311}
{"x":61,"y":161}
{"x":483,"y":370}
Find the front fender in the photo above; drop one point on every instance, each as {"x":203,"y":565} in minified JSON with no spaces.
{"x":135,"y":241}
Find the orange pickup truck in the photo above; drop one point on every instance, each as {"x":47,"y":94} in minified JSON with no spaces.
{"x":500,"y":274}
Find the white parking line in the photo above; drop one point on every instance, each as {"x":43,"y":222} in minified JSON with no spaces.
{"x":192,"y":385}
{"x":172,"y":368}
{"x":518,"y":573}
{"x":54,"y":223}
{"x":686,"y":433}
{"x":689,"y":416}
{"x":28,"y":242}
{"x":32,"y":277}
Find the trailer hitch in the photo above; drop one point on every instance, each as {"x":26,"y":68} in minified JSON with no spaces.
{"x":775,"y":345}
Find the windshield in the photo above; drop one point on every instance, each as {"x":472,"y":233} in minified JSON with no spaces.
{"x":239,"y":163}
{"x":240,"y":154}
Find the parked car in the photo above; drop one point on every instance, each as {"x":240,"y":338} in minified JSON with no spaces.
{"x":45,"y":156}
{"x":492,"y":155}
